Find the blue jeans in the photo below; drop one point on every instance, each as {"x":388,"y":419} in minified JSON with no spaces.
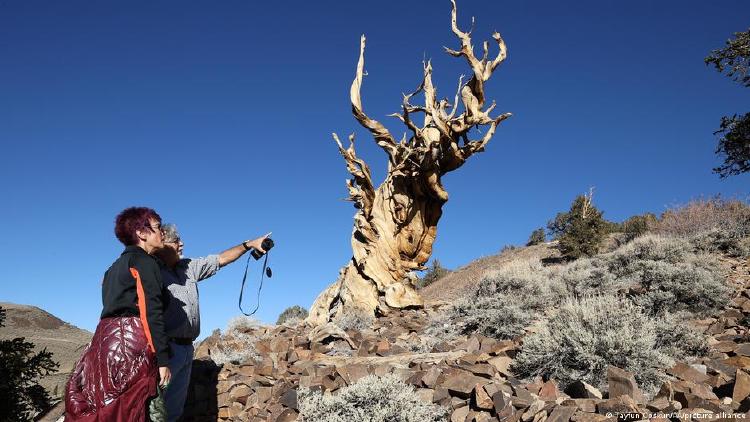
{"x":181,"y":364}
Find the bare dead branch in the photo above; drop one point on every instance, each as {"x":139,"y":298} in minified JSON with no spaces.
{"x":455,"y":101}
{"x":407,"y":109}
{"x":466,"y":48}
{"x":361,"y":189}
{"x":587,"y":202}
{"x":501,"y":54}
{"x":482,"y":68}
{"x":477,"y":146}
{"x":382,"y":136}
{"x":430,"y":102}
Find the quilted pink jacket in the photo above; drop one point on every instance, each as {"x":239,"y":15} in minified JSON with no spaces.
{"x":115,"y":376}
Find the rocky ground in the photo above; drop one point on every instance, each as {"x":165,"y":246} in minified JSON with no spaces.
{"x":470,"y":377}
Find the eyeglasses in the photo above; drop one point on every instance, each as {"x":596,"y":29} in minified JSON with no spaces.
{"x":175,"y":241}
{"x":157,"y":228}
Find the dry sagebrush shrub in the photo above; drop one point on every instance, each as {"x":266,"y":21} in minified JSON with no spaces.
{"x":371,"y":399}
{"x":354,"y":319}
{"x":292,"y":315}
{"x":586,"y":335}
{"x":674,"y":275}
{"x":237,"y":345}
{"x":659,"y":274}
{"x":503,"y":305}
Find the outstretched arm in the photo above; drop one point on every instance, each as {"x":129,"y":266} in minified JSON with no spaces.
{"x":232,"y":254}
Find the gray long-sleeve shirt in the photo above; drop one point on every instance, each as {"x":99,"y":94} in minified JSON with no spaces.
{"x":182,"y":317}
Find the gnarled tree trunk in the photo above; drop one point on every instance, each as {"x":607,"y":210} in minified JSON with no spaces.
{"x":396,"y":224}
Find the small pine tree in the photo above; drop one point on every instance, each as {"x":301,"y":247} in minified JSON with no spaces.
{"x":291,"y":313}
{"x":434,"y":273}
{"x":638,"y":225}
{"x":21,"y":396}
{"x":581,"y":230}
{"x":537,"y":237}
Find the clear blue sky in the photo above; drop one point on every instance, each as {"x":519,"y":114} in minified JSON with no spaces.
{"x":219,"y":114}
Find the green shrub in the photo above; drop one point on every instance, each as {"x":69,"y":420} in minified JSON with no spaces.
{"x":537,"y":237}
{"x":20,"y":371}
{"x":580,"y":231}
{"x":588,"y":334}
{"x":433,"y":274}
{"x":292,"y":314}
{"x":637,"y":225}
{"x":371,"y":399}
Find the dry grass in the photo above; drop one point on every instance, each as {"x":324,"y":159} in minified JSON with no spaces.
{"x":702,"y":215}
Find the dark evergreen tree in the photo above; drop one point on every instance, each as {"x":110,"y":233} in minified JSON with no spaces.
{"x":734,"y":132}
{"x":434,"y":273}
{"x":537,"y":237}
{"x":638,"y":225}
{"x":581,"y":230}
{"x":21,"y":396}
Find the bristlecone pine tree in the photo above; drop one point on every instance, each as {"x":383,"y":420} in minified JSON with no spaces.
{"x":396,"y":224}
{"x":581,"y":230}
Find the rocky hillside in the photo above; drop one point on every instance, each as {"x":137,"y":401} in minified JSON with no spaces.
{"x":269,"y":373}
{"x":456,"y":283}
{"x":65,"y":341}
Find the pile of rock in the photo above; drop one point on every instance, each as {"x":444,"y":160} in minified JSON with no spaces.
{"x":470,"y":378}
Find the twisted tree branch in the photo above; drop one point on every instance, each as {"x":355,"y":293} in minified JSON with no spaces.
{"x":361,"y":189}
{"x":382,"y":136}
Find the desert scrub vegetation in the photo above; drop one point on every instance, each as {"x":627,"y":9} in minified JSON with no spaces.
{"x":237,"y":344}
{"x":662,"y":274}
{"x":371,"y":399}
{"x":433,"y":274}
{"x":702,"y":215}
{"x":659,"y":274}
{"x":713,"y":225}
{"x":722,"y":241}
{"x":354,"y":319}
{"x":505,"y":302}
{"x":292,"y":315}
{"x":588,"y":334}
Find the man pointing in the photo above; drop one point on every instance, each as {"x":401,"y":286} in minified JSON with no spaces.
{"x":182,"y":316}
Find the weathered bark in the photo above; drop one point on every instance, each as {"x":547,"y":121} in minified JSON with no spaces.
{"x":396,"y":224}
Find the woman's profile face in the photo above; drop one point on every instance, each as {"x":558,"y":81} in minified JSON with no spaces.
{"x":154,"y":237}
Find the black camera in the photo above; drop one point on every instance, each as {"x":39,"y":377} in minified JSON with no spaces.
{"x":266,"y":245}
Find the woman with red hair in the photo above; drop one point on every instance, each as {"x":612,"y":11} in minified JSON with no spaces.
{"x":117,"y":373}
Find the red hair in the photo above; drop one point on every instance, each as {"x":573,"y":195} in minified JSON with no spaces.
{"x":132,"y":219}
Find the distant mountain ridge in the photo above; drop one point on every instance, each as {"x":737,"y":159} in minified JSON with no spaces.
{"x":64,"y":340}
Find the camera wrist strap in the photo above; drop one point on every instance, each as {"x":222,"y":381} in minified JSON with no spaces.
{"x":242,"y":288}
